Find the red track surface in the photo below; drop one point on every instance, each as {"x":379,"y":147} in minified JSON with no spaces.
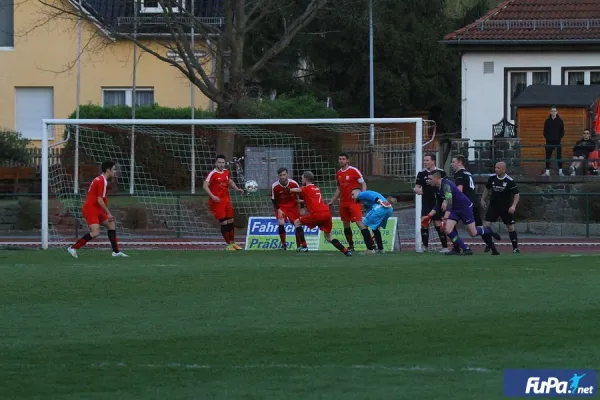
{"x":527,"y":245}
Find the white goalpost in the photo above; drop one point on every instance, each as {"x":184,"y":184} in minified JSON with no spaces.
{"x":156,"y":200}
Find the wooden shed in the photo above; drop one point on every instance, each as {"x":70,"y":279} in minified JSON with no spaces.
{"x":576,"y":106}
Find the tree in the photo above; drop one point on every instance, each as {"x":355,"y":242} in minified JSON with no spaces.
{"x":225,"y":33}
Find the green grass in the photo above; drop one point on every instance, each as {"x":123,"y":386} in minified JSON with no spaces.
{"x":202,"y":325}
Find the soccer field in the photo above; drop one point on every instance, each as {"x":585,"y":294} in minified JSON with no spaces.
{"x":241,"y":325}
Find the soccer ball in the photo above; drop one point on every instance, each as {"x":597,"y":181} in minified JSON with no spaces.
{"x":251,"y":186}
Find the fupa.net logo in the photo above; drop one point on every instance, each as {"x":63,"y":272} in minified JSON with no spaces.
{"x":550,"y":383}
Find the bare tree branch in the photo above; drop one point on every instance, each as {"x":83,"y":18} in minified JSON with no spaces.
{"x":224,"y":37}
{"x":296,"y":26}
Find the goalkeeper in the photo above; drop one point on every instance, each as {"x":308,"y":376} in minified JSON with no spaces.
{"x":379,"y":210}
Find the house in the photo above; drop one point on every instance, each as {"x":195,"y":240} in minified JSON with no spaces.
{"x":520,"y":43}
{"x":576,"y":106}
{"x":38,"y":76}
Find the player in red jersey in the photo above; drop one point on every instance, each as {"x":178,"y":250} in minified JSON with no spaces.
{"x":217,"y":184}
{"x":318,"y":212}
{"x":95,"y":212}
{"x":286,"y":205}
{"x":349,"y":178}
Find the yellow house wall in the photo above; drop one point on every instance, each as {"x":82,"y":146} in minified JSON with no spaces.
{"x":41,"y":56}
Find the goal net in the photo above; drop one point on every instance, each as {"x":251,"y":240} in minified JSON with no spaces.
{"x":157,"y":197}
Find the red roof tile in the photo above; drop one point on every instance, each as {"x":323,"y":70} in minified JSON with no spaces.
{"x":534,"y":20}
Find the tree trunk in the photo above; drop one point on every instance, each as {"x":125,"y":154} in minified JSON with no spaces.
{"x":229,"y":109}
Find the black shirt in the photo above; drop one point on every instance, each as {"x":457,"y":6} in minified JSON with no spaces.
{"x":430,"y":193}
{"x":502,"y":190}
{"x":464,"y":178}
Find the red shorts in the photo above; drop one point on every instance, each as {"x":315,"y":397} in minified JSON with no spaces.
{"x":323,"y":221}
{"x":289,"y":213}
{"x":94,"y":216}
{"x":350,"y":211}
{"x":222,"y":210}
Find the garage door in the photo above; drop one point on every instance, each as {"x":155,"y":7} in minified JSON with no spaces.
{"x":33,"y":105}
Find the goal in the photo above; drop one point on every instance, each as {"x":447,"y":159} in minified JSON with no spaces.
{"x":157,"y":196}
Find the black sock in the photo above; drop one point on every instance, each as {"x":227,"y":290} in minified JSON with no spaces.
{"x":348,"y":234}
{"x":378,"y":239}
{"x":513,"y":239}
{"x":300,"y":240}
{"x":425,"y":236}
{"x":282,"y":235}
{"x":112,"y":236}
{"x":442,"y":235}
{"x":368,"y":239}
{"x":339,"y":246}
{"x":225,"y":232}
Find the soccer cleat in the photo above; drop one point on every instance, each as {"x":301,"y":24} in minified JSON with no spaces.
{"x":445,"y":250}
{"x":229,"y":247}
{"x":369,"y":252}
{"x":283,"y":248}
{"x":453,"y":253}
{"x":348,"y":253}
{"x":467,"y":252}
{"x":72,"y":252}
{"x":381,"y":251}
{"x":236,"y":246}
{"x":487,"y":249}
{"x":302,"y":250}
{"x":119,"y":254}
{"x":516,"y":251}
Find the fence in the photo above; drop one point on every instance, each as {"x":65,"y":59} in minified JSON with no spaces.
{"x":521,"y":159}
{"x":543,"y":214}
{"x":32,"y":157}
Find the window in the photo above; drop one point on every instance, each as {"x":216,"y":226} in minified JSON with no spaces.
{"x":518,"y":81}
{"x":582,"y":76}
{"x":154,"y":7}
{"x":124,"y":97}
{"x":7,"y":24}
{"x":575,"y":78}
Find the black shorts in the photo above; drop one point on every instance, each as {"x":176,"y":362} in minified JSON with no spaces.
{"x":493,"y":213}
{"x":427,"y":207}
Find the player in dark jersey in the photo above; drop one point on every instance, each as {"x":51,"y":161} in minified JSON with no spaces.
{"x":429,"y":200}
{"x":465,"y":183}
{"x":504,"y":198}
{"x":458,"y":208}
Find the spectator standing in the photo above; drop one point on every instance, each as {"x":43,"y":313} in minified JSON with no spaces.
{"x":554,"y":131}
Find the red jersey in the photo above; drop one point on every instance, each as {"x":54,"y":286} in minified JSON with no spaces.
{"x":347,"y":180}
{"x":313,"y":200}
{"x":285,"y":199}
{"x":218,"y":183}
{"x":97,"y":189}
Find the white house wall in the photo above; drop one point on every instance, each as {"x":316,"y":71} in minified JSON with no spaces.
{"x":483,"y":94}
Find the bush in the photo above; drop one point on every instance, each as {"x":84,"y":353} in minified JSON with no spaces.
{"x":13,"y":147}
{"x":29,"y":215}
{"x":135,"y":218}
{"x":284,"y":107}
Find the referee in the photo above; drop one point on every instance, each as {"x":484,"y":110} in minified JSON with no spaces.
{"x":503,"y":202}
{"x":429,"y":200}
{"x":464,"y":182}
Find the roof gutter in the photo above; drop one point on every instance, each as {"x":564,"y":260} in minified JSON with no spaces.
{"x":458,"y":42}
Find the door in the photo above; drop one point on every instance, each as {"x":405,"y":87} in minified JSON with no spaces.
{"x":32,"y":105}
